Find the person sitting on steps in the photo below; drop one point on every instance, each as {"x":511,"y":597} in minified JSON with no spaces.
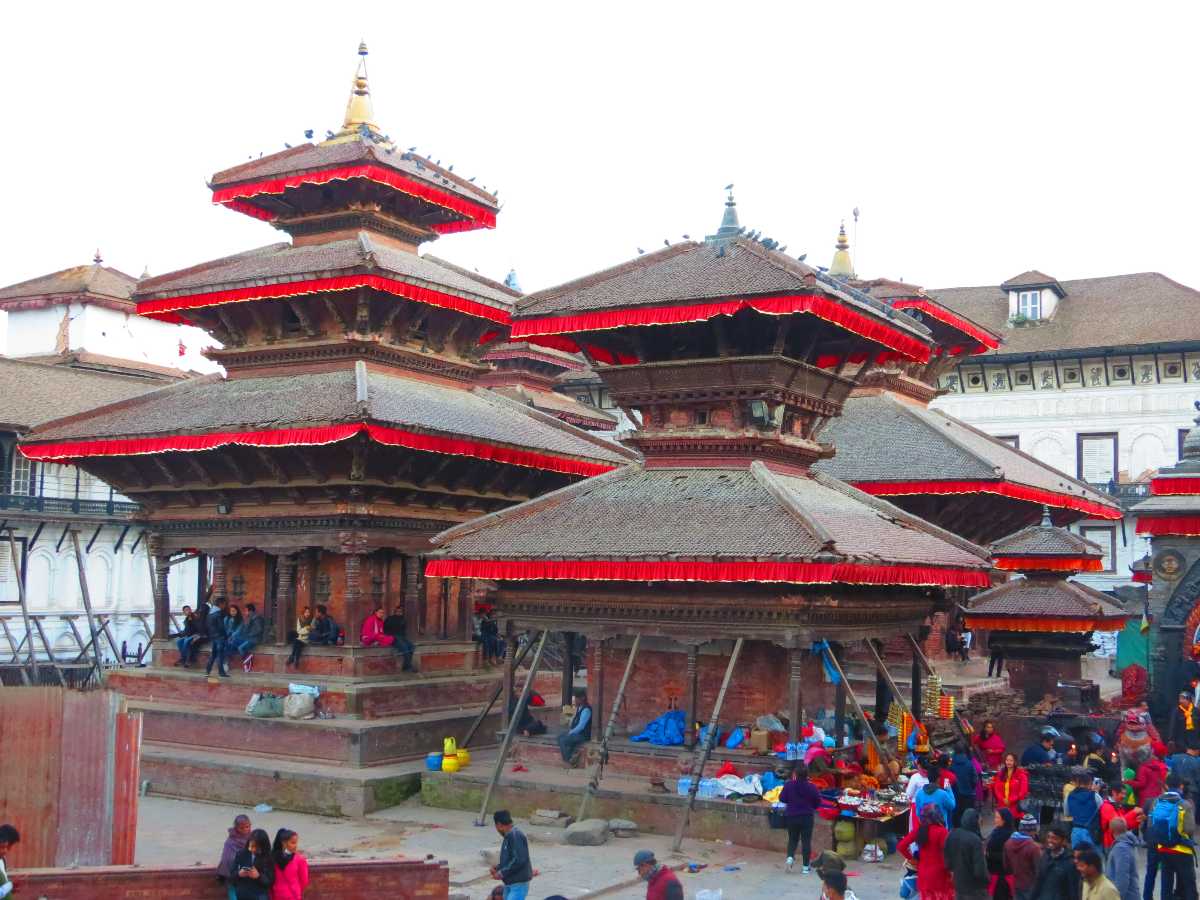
{"x":324,"y":630}
{"x":580,"y":730}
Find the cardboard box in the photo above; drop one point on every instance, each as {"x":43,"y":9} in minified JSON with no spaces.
{"x":760,"y":740}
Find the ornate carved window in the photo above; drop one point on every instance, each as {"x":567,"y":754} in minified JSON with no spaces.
{"x":323,"y":589}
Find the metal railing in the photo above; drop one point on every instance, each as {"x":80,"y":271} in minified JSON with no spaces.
{"x":114,"y":509}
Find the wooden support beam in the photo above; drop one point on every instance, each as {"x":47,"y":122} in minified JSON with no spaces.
{"x":62,"y":537}
{"x":301,"y":312}
{"x":479,"y":719}
{"x":335,"y":313}
{"x":795,"y":707}
{"x":597,"y":772}
{"x":358,"y":459}
{"x":310,"y":466}
{"x":362,"y":311}
{"x":238,"y":470}
{"x":95,"y":535}
{"x":691,"y":733}
{"x":37,"y":623}
{"x":132,"y":474}
{"x":862,"y":716}
{"x":236,"y":336}
{"x":31,"y":663}
{"x":37,"y":533}
{"x":701,"y":758}
{"x":121,"y":538}
{"x":272,"y":464}
{"x":193,"y":462}
{"x":882,"y":669}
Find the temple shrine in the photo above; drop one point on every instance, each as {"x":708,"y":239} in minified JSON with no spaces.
{"x":352,"y":426}
{"x":1043,"y":622}
{"x":724,"y":556}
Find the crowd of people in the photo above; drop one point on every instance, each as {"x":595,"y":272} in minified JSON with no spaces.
{"x":229,"y":632}
{"x":253,"y":867}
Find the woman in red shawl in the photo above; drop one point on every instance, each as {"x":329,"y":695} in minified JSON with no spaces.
{"x":934,"y":881}
{"x":1011,"y":786}
{"x":990,"y":745}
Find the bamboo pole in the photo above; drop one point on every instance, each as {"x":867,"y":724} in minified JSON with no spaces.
{"x":31,"y":664}
{"x":883,"y":754}
{"x":465,"y":742}
{"x":87,"y":606}
{"x":887,"y":676}
{"x":701,"y":758}
{"x":512,"y":727}
{"x":597,"y":767}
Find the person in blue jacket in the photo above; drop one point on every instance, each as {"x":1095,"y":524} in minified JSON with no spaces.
{"x":580,"y":730}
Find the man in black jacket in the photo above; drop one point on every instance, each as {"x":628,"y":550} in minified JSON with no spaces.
{"x":324,"y":629}
{"x":1057,"y":879}
{"x":514,"y":869}
{"x":395,"y":626}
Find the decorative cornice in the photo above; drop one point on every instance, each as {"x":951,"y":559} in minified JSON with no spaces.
{"x":268,"y":356}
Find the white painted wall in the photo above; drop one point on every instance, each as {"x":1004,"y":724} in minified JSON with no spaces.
{"x":1146,"y":420}
{"x":124,"y":335}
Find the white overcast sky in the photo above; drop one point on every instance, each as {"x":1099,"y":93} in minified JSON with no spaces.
{"x":978,"y":140}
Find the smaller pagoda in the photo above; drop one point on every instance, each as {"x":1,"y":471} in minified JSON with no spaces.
{"x":529,"y":374}
{"x":1043,"y":622}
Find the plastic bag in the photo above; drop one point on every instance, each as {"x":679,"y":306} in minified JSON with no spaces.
{"x":312,"y":689}
{"x":710,"y":894}
{"x":736,"y":737}
{"x":266,"y":706}
{"x":769,"y":723}
{"x":250,"y":703}
{"x":299,"y":706}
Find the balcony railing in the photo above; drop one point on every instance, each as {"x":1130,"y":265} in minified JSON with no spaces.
{"x":1125,"y":494}
{"x":112,"y":509}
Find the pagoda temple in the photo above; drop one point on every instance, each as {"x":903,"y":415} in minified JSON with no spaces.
{"x":892,"y":444}
{"x":1171,"y":519}
{"x":529,"y":374}
{"x":1043,"y":622}
{"x":731,"y":357}
{"x":352,"y":425}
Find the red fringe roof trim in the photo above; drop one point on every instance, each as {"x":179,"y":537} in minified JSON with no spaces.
{"x":1045,"y":624}
{"x":1002,"y":488}
{"x":1049,"y":564}
{"x":1166,"y":487}
{"x":814,"y":304}
{"x":946,"y":317}
{"x":312,"y":437}
{"x":166,"y":308}
{"x":708,"y":571}
{"x":1143,"y":577}
{"x":1169,"y":526}
{"x":478,"y":216}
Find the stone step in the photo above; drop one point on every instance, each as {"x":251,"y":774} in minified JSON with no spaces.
{"x":442,"y":657}
{"x":300,"y":786}
{"x":367,"y":698}
{"x":356,"y":743}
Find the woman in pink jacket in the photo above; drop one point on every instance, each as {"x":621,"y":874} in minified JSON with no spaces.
{"x":291,"y":868}
{"x":372,"y":630}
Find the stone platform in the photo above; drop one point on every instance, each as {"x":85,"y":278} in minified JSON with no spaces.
{"x":549,"y":786}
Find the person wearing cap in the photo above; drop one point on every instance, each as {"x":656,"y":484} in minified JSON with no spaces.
{"x":1042,"y":753}
{"x":1022,"y":857}
{"x":661,"y":882}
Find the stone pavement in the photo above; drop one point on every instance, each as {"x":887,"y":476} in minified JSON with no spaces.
{"x":182,"y":832}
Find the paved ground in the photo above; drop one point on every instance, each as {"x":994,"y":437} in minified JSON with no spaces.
{"x":176,"y":831}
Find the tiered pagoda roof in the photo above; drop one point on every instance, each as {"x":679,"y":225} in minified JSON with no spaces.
{"x":732,"y":353}
{"x":97,"y":284}
{"x":1173,"y":509}
{"x":891,"y":444}
{"x":1045,"y":600}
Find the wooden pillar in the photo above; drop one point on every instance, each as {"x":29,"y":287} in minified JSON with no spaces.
{"x":883,"y":693}
{"x":162,"y":597}
{"x":357,"y":601}
{"x":466,"y":609}
{"x":839,"y":708}
{"x":510,"y":672}
{"x":414,"y":596}
{"x":795,"y":707}
{"x":597,"y":692}
{"x":915,"y":706}
{"x":219,"y":586}
{"x":201,"y":578}
{"x":691,"y":734}
{"x":568,"y":670}
{"x":285,"y":598}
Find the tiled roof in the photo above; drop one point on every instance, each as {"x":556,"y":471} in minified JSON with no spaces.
{"x":675,"y":514}
{"x":693,"y":271}
{"x":1045,"y":540}
{"x":297,"y":401}
{"x":1029,"y":279}
{"x":882,"y":438}
{"x":1097,"y":313}
{"x":1171,"y":503}
{"x":518,"y":349}
{"x":283,"y":262}
{"x":314,"y":157}
{"x":34,"y":393}
{"x":1042,"y":595}
{"x":97,"y":280}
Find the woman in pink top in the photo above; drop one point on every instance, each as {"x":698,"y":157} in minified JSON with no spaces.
{"x":990,"y":745}
{"x":291,"y":868}
{"x":372,"y":630}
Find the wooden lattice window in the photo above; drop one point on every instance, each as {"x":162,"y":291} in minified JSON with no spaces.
{"x":324,"y":589}
{"x":239,"y":587}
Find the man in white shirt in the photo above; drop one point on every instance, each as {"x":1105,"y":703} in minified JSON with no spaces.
{"x":8,"y":837}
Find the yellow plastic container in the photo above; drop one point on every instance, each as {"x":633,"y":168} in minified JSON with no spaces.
{"x":449,"y":746}
{"x":450,"y":764}
{"x":464,"y":758}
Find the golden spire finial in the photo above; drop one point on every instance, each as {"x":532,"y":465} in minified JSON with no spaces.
{"x":360,"y":112}
{"x":841,"y":267}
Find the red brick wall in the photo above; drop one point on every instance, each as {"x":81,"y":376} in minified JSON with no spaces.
{"x":759,"y":684}
{"x":252,"y":567}
{"x":349,"y":880}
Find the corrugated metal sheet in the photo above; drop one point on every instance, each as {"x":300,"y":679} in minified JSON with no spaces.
{"x":72,"y":791}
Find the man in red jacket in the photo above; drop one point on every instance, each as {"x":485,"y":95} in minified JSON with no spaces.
{"x":662,"y":883}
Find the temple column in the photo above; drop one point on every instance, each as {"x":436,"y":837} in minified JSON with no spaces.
{"x":219,"y":586}
{"x":795,"y":707}
{"x":839,"y":701}
{"x":510,"y":671}
{"x":162,"y":597}
{"x":201,"y":578}
{"x":466,"y":609}
{"x":285,"y":598}
{"x":693,"y":694}
{"x":568,"y":670}
{"x":883,"y":693}
{"x":598,"y":694}
{"x":917,"y":691}
{"x":357,"y":601}
{"x":414,"y":596}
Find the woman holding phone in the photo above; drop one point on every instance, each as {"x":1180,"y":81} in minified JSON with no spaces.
{"x":253,"y":868}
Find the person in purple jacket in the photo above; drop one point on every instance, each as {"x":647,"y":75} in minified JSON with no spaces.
{"x":800,"y":799}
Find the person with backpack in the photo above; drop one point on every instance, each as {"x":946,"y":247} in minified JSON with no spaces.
{"x":1170,"y":845}
{"x":1083,"y":809}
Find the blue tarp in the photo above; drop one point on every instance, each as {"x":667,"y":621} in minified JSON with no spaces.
{"x":665,"y":731}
